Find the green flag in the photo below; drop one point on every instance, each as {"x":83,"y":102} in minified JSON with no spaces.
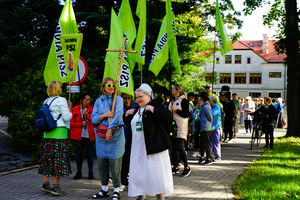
{"x":71,"y":45}
{"x":171,"y":37}
{"x":166,"y":42}
{"x":160,"y":53}
{"x":111,"y":59}
{"x":128,"y":26}
{"x":55,"y":69}
{"x":140,"y":43}
{"x":225,"y":43}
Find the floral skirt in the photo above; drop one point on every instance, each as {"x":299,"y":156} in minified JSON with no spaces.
{"x":55,"y":157}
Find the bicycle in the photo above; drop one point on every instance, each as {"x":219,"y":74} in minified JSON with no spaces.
{"x":256,"y":131}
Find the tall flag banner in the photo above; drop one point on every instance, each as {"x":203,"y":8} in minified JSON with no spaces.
{"x":111,"y":59}
{"x":71,"y":46}
{"x":55,"y":69}
{"x":166,"y":42}
{"x":160,"y":53}
{"x":224,"y":41}
{"x":129,"y":29}
{"x":171,"y":37}
{"x":140,"y":43}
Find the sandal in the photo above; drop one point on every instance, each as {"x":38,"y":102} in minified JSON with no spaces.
{"x":101,"y":194}
{"x":116,"y":196}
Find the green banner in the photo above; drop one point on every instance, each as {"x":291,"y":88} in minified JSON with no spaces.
{"x":171,"y":37}
{"x":128,"y":26}
{"x":140,"y":43}
{"x":71,"y":45}
{"x":224,"y":41}
{"x":112,"y":58}
{"x":55,"y":69}
{"x":160,"y":53}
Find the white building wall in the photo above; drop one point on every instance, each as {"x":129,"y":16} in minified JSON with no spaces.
{"x":257,"y":65}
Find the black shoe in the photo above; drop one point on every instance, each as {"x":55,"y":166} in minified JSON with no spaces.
{"x":186,"y":171}
{"x":57,"y":191}
{"x":201,"y":160}
{"x":207,"y":162}
{"x":77,"y":176}
{"x":91,"y":175}
{"x":175,"y":170}
{"x":46,"y":187}
{"x":101,"y":194}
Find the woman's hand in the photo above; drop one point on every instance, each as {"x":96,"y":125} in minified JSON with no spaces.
{"x":108,"y":135}
{"x":110,"y":114}
{"x":70,"y":105}
{"x":174,"y":108}
{"x":129,"y":112}
{"x":149,"y":108}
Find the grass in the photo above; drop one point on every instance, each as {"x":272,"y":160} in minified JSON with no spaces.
{"x":275,"y":175}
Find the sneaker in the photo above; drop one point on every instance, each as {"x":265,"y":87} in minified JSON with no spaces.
{"x":201,"y":160}
{"x":186,"y":171}
{"x":46,"y":187}
{"x":77,"y":176}
{"x":217,"y":160}
{"x":230,"y":141}
{"x":123,"y":188}
{"x":175,"y":170}
{"x":141,"y":197}
{"x":91,"y":175}
{"x":57,"y":191}
{"x":207,"y":162}
{"x":195,"y":154}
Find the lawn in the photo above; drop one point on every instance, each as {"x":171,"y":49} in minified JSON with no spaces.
{"x":275,"y":175}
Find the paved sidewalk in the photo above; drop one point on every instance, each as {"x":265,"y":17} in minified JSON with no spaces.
{"x":205,"y":182}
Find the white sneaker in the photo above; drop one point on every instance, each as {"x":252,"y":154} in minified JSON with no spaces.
{"x":195,"y":154}
{"x":122,"y":188}
{"x":230,"y":141}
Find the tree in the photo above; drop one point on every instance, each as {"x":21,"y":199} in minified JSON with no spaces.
{"x":285,"y":12}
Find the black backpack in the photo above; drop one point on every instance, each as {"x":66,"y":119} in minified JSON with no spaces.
{"x":44,"y":120}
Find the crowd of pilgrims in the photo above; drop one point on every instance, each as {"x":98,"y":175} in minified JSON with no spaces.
{"x":144,"y":141}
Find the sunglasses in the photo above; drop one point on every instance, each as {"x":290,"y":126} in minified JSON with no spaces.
{"x":110,"y":85}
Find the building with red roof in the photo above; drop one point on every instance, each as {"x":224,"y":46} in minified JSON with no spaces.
{"x":252,"y":68}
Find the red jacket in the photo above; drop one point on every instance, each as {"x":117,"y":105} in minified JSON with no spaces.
{"x":76,"y":123}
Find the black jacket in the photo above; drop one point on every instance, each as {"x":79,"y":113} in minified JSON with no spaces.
{"x":156,"y":127}
{"x":268,"y":115}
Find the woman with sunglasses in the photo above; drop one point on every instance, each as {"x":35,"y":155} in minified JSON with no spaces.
{"x":110,"y":140}
{"x":150,"y":167}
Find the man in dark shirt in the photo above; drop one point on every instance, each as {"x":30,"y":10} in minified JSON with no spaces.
{"x":229,"y":110}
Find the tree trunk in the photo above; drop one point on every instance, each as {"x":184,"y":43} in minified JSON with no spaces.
{"x":293,"y":68}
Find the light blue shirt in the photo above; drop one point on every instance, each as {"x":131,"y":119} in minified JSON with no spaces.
{"x":115,"y":148}
{"x":216,"y":113}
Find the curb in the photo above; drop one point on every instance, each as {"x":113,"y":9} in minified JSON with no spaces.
{"x":18,"y":170}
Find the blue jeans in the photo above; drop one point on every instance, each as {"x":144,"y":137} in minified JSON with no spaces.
{"x":80,"y":145}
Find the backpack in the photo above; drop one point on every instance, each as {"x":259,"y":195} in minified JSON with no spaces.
{"x":44,"y":120}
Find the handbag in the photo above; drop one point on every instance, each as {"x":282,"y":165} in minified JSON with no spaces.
{"x":101,"y":130}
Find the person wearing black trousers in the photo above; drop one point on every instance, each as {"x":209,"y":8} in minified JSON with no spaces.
{"x":269,"y":116}
{"x":229,"y":110}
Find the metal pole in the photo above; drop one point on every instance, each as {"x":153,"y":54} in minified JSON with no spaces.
{"x":214,"y":61}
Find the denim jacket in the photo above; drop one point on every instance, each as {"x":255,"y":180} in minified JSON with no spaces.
{"x":216,"y":113}
{"x":206,"y":117}
{"x":115,"y":148}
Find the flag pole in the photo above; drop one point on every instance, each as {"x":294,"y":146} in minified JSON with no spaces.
{"x":214,"y":62}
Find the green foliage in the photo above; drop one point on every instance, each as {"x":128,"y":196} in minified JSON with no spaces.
{"x":275,"y":175}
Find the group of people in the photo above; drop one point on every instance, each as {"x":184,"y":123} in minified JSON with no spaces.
{"x":140,"y":143}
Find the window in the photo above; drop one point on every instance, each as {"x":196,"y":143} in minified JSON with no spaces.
{"x":227,"y":59}
{"x":240,"y":78}
{"x":274,"y":94}
{"x":255,"y":94}
{"x":225,"y":78}
{"x":208,"y":77}
{"x":255,"y":78}
{"x":274,"y":74}
{"x":237,"y":59}
{"x":217,"y":60}
{"x":248,"y":60}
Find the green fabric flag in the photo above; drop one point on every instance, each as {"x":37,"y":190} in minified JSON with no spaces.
{"x":112,"y":58}
{"x":171,"y":37}
{"x":55,"y":69}
{"x":71,"y":45}
{"x":140,"y":43}
{"x":160,"y":53}
{"x":128,"y":26}
{"x":224,"y":41}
